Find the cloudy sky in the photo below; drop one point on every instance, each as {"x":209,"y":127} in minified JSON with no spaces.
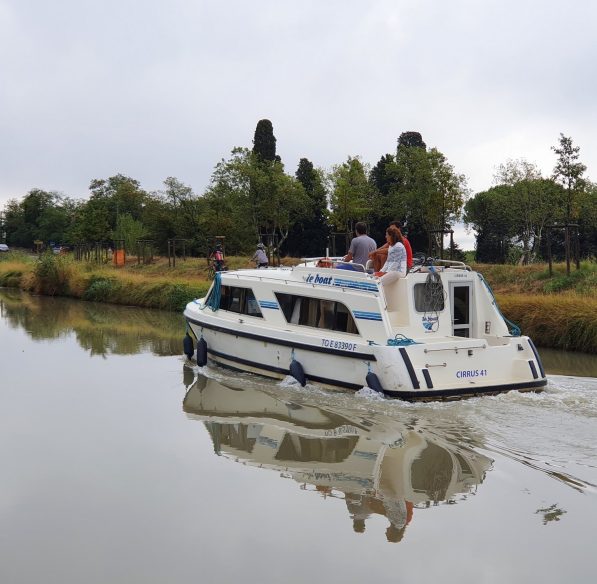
{"x":156,"y":88}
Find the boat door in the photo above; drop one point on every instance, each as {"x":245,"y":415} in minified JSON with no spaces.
{"x":461,"y":304}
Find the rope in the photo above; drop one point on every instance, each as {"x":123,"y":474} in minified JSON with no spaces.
{"x":401,"y":341}
{"x":434,"y":297}
{"x":213,"y":301}
{"x":513,"y":328}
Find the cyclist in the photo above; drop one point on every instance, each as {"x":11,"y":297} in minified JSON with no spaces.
{"x":259,"y":256}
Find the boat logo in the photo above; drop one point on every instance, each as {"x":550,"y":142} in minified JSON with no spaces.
{"x":317,"y":279}
{"x":430,"y":323}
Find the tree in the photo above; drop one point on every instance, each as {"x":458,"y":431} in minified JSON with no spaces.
{"x":515,"y":170}
{"x":382,"y":179}
{"x":41,"y":215}
{"x":309,"y":235}
{"x":129,"y":230}
{"x":492,"y":216}
{"x":256,"y":194}
{"x":110,"y":197}
{"x":446,"y":196}
{"x":411,"y":140}
{"x":351,"y":194}
{"x":568,"y":172}
{"x":264,"y":142}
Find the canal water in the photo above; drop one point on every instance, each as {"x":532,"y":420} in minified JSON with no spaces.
{"x":120,"y":463}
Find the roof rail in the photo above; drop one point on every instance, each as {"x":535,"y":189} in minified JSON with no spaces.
{"x":453,"y":264}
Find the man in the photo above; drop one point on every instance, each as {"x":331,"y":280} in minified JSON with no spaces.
{"x":360,"y":248}
{"x":380,"y":255}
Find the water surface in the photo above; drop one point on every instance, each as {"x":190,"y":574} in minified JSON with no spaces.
{"x":122,"y":463}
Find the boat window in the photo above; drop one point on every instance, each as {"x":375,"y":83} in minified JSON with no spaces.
{"x":240,"y":300}
{"x":316,"y":312}
{"x":428,"y":299}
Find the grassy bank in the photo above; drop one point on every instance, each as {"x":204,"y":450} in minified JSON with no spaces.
{"x":154,"y":286}
{"x":558,"y":312}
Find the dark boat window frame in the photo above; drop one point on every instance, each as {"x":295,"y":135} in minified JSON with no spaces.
{"x":320,"y":313}
{"x":244,"y":299}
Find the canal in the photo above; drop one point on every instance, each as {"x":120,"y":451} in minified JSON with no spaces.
{"x":120,"y":463}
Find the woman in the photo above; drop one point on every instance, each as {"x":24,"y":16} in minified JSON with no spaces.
{"x":395,"y":266}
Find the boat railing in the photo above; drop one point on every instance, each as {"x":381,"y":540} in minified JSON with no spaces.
{"x":452,"y":264}
{"x":334,"y":262}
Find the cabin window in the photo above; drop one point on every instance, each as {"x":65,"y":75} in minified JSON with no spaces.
{"x":240,"y":300}
{"x":428,"y":299}
{"x":316,"y":312}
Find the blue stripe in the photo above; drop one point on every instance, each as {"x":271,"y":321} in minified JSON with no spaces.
{"x":269,"y":304}
{"x":367,"y":315}
{"x":356,"y":285}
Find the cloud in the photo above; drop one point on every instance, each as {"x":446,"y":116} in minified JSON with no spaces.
{"x":153,"y":89}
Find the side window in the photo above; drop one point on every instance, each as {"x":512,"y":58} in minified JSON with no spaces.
{"x":239,"y":300}
{"x":428,"y":299}
{"x":251,"y":304}
{"x":287,"y":303}
{"x":236,"y":299}
{"x":316,"y":312}
{"x":224,"y":297}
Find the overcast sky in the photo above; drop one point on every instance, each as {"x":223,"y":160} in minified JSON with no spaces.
{"x":156,"y":88}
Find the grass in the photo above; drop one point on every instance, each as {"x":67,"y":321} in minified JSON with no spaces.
{"x":153,"y":286}
{"x":567,"y":321}
{"x":535,"y":279}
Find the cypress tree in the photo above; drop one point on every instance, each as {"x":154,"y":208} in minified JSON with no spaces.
{"x":264,"y":142}
{"x":411,"y":139}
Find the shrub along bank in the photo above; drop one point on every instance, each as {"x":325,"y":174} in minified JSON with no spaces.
{"x":558,"y":312}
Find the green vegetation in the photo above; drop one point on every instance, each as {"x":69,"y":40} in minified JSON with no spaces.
{"x":154,"y":286}
{"x":566,"y":321}
{"x":514,"y":219}
{"x":534,"y":279}
{"x":559,"y":312}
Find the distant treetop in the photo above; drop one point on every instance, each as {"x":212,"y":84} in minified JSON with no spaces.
{"x":411,"y":139}
{"x":264,"y":142}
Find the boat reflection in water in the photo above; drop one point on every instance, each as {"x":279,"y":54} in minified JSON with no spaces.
{"x":378,"y":465}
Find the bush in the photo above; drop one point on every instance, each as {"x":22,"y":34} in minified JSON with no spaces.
{"x":100,"y":289}
{"x":178,"y":296}
{"x":52,"y":274}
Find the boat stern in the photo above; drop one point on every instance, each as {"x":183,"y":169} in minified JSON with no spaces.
{"x":459,"y":368}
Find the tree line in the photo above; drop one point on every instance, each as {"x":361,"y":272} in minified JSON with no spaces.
{"x":251,"y":197}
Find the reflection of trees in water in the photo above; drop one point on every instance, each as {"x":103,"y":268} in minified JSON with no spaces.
{"x":99,"y":328}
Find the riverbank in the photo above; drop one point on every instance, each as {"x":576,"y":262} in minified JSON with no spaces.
{"x":558,"y":312}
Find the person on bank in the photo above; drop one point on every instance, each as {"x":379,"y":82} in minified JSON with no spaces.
{"x":360,"y":248}
{"x":380,"y":255}
{"x":395,"y":266}
{"x":218,"y":258}
{"x":259,"y":256}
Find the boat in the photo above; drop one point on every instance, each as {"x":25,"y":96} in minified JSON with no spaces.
{"x":375,"y":463}
{"x":437,"y":333}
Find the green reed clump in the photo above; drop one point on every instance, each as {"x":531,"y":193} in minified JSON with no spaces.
{"x":52,"y":273}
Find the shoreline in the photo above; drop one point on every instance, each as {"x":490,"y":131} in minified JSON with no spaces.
{"x":564,"y":320}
